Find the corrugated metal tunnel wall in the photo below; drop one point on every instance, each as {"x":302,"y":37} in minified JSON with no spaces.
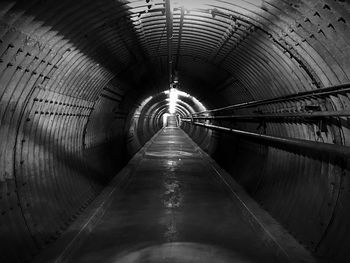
{"x":75,"y":81}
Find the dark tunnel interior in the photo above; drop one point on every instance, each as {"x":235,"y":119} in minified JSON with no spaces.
{"x":262,"y":86}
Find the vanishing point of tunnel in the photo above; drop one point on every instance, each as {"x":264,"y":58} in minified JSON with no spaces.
{"x":176,"y":131}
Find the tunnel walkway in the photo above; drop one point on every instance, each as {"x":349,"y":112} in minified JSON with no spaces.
{"x":173,"y":198}
{"x":175,"y":209}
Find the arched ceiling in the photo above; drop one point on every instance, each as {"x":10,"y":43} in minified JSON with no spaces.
{"x":258,"y":49}
{"x":73,"y":72}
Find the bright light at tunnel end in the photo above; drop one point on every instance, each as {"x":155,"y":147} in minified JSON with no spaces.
{"x":173,"y":97}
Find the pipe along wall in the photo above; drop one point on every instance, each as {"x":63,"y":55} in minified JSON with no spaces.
{"x":75,"y":84}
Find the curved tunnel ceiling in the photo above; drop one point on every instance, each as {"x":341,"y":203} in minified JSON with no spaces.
{"x":266,"y":48}
{"x":73,"y":73}
{"x":244,"y":42}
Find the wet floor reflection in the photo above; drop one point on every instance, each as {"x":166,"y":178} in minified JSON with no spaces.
{"x":171,"y":199}
{"x":169,"y":153}
{"x":172,"y":211}
{"x":181,"y":253}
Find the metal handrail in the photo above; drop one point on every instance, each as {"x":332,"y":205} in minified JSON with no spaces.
{"x":287,"y":115}
{"x":301,"y":95}
{"x":332,"y":150}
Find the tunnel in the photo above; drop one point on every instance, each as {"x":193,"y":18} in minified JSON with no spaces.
{"x":174,"y":131}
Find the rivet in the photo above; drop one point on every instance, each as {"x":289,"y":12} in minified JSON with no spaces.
{"x":341,"y":19}
{"x":331,"y":26}
{"x":326,"y":7}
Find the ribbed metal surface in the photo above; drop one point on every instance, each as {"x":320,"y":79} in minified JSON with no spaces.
{"x":55,"y":60}
{"x":73,"y":72}
{"x":255,"y":41}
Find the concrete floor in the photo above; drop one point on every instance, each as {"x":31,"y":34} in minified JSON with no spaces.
{"x":173,"y":210}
